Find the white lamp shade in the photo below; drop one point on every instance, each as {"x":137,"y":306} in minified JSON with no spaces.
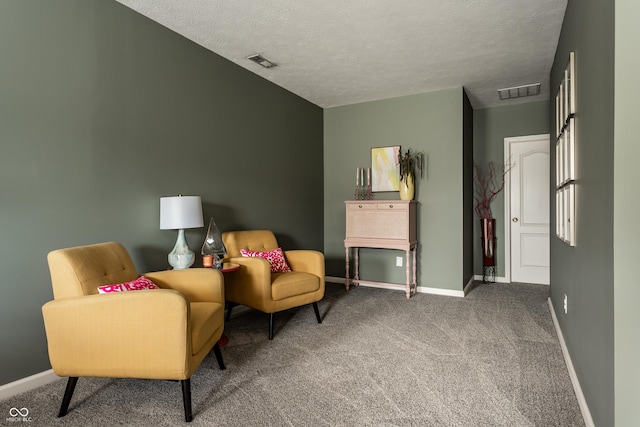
{"x":180,"y":212}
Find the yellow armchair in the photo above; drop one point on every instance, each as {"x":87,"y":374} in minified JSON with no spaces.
{"x":255,"y":286}
{"x":156,"y":334}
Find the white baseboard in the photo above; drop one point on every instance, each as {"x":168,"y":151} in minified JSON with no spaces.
{"x":27,"y":383}
{"x":439,"y":291}
{"x":421,"y":289}
{"x":333,"y":279}
{"x":582,"y":402}
{"x":469,"y":286}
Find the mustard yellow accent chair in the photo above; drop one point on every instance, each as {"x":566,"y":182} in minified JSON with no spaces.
{"x":255,"y":286}
{"x":155,"y":334}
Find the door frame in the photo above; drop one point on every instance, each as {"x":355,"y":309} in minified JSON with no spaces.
{"x":507,"y":198}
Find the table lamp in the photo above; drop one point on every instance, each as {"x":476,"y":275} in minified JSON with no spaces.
{"x":179,"y":213}
{"x":213,"y":249}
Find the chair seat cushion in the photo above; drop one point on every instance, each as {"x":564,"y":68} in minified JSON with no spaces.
{"x":206,"y":317}
{"x":290,"y":284}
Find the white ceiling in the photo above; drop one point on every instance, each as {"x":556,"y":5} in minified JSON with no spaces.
{"x":339,"y":52}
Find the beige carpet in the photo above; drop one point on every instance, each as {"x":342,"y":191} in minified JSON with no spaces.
{"x":378,"y":359}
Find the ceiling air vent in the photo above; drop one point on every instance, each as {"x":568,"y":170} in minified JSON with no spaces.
{"x":519,"y":91}
{"x":259,"y":59}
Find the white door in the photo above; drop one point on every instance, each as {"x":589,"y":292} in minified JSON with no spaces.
{"x":528,"y":206}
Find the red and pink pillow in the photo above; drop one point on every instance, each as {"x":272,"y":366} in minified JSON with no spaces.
{"x":275,"y":257}
{"x":139,"y":284}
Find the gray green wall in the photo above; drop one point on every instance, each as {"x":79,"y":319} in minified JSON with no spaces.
{"x":102,"y":112}
{"x":430,"y":122}
{"x":626,"y":205}
{"x":490,"y":127}
{"x":585,"y":273}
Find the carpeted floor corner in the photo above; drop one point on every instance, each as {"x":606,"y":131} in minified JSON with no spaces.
{"x":378,"y":359}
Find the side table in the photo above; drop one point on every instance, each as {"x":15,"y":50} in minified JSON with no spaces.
{"x":227,"y":267}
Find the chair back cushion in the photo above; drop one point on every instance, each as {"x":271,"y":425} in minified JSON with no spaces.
{"x":252,"y":240}
{"x":80,"y":270}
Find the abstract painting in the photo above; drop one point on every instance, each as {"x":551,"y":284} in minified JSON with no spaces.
{"x":385,"y":172}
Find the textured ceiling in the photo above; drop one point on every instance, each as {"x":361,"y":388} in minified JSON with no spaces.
{"x":338,"y":52}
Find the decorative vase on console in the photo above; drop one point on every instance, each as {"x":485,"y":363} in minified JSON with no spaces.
{"x":409,"y":162}
{"x":407,"y":189}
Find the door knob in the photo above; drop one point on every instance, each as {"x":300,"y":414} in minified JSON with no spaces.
{"x":514,"y":219}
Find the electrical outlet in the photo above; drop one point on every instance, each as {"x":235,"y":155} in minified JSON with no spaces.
{"x":398,"y":261}
{"x":566,"y":303}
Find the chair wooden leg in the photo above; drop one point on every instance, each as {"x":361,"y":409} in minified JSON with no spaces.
{"x":315,"y":308}
{"x":270,"y":326}
{"x":186,"y":398}
{"x":230,"y":306}
{"x":186,"y":392}
{"x":216,"y":351}
{"x":71,"y":386}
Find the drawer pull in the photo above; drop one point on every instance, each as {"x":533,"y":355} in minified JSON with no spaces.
{"x":360,"y":206}
{"x":391,"y":206}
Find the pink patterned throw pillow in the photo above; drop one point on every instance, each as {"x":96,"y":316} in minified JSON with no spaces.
{"x":136,"y":285}
{"x":275,"y":258}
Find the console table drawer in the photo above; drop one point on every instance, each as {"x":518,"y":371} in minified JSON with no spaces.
{"x":392,"y":206}
{"x":361,"y":207}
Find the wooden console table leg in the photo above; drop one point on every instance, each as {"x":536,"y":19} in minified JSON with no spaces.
{"x":346,"y":267}
{"x":415,"y":274}
{"x":408,"y":276}
{"x":356,"y":270}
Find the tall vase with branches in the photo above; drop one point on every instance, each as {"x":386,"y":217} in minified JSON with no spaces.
{"x":409,"y":161}
{"x":488,"y":183}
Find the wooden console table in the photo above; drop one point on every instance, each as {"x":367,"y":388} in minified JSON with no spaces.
{"x":384,"y":224}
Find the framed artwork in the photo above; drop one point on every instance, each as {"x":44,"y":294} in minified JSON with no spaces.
{"x":560,"y":210}
{"x":570,"y":87}
{"x":566,"y":154}
{"x":560,"y":171}
{"x":558,"y":121}
{"x":563,"y":104}
{"x":385,"y":171}
{"x":569,"y":215}
{"x":566,"y":96}
{"x":569,"y":151}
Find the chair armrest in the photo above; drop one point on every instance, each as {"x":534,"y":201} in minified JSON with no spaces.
{"x":251,"y":284}
{"x":307,"y":261}
{"x":144,"y":334}
{"x":198,"y":284}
